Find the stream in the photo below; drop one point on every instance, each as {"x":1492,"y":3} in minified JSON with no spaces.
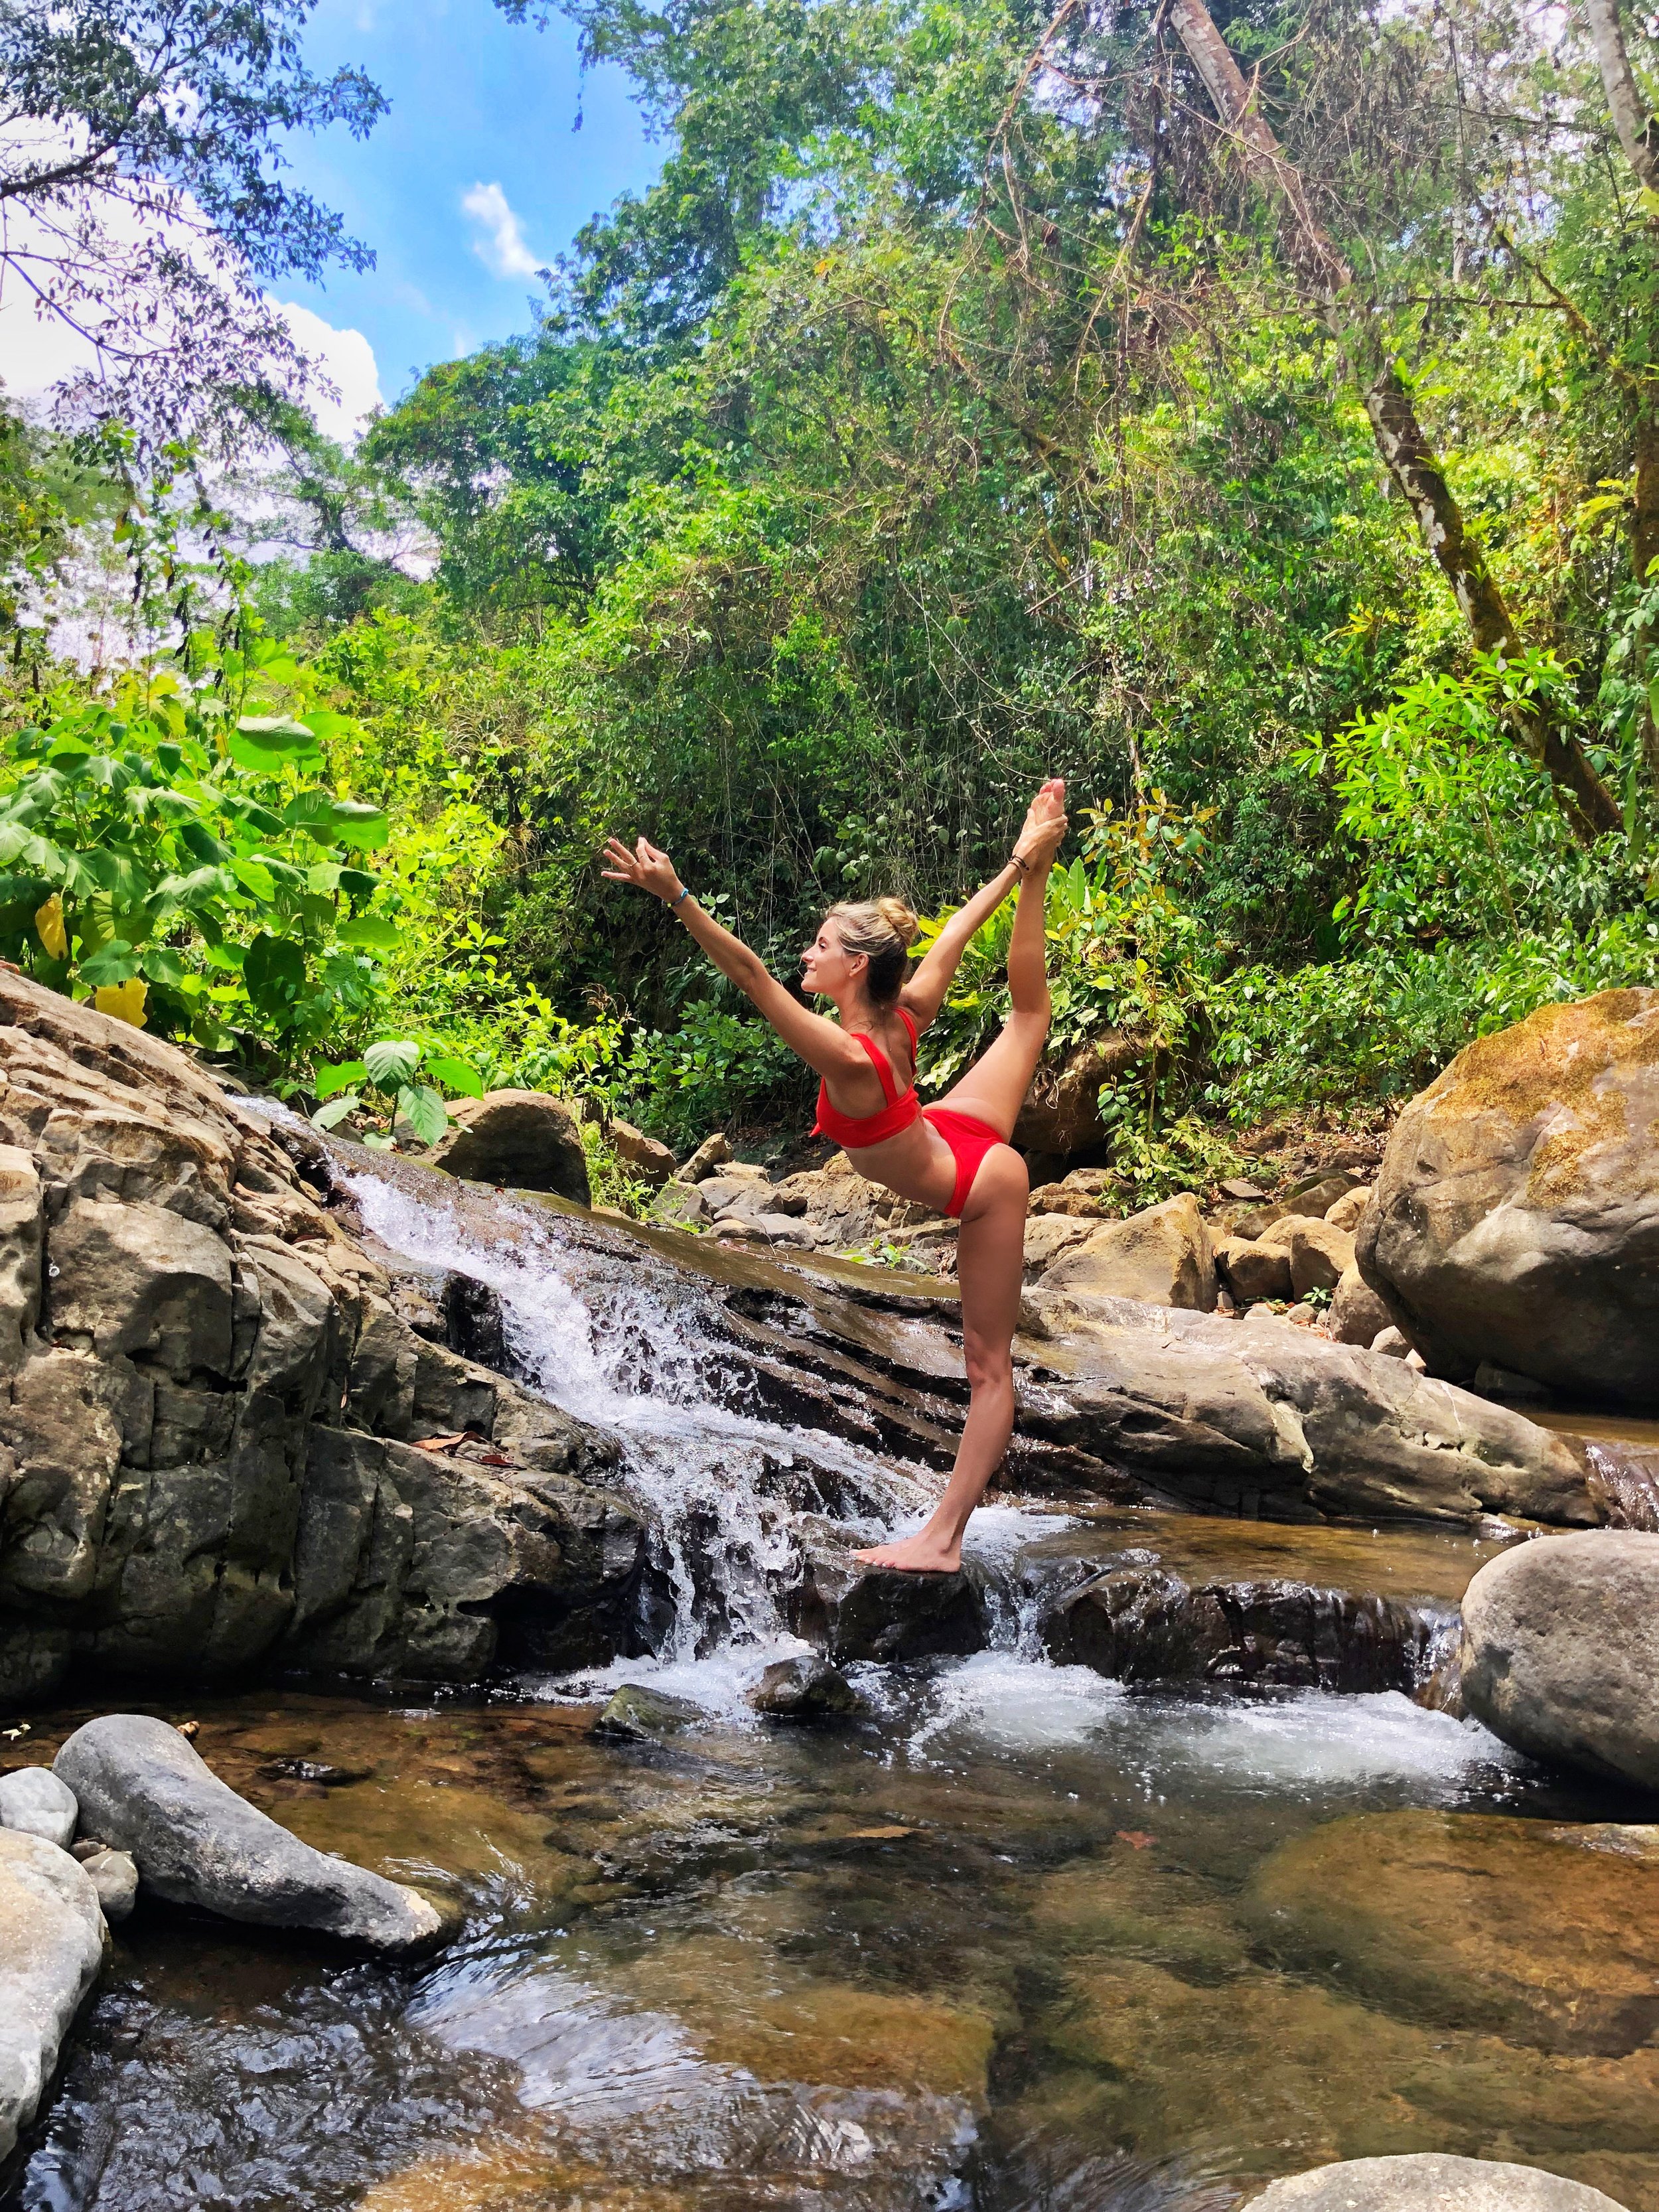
{"x":998,"y":1943}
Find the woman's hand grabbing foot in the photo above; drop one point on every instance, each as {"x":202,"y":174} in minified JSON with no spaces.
{"x":1045,"y":826}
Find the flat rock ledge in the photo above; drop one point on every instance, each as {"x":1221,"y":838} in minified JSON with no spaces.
{"x":1428,"y":2181}
{"x":141,"y":1788}
{"x":51,"y":1946}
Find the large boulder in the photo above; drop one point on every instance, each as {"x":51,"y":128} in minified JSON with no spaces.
{"x":1546,"y":1936}
{"x":142,"y":1789}
{"x":1516,"y":1220}
{"x":1161,"y":1256}
{"x":1061,"y":1112}
{"x":205,"y":1381}
{"x":1429,"y":2181}
{"x":518,"y":1140}
{"x":1560,"y":1651}
{"x":1357,"y":1314}
{"x":52,"y":1945}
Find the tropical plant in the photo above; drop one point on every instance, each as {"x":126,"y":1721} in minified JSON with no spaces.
{"x":385,"y":1078}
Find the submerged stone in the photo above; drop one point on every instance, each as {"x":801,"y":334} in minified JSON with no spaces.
{"x":1543,"y":1934}
{"x":804,"y":1690}
{"x":638,"y":1715}
{"x":1426,"y":2181}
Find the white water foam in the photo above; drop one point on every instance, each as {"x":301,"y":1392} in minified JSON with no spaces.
{"x":616,"y":1348}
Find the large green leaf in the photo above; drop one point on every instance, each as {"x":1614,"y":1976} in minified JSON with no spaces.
{"x":274,"y":973}
{"x":374,"y":933}
{"x":425,"y":1112}
{"x":117,"y":963}
{"x":336,"y":1110}
{"x":457,"y":1075}
{"x":263,"y":742}
{"x":393,"y":1060}
{"x":331,"y":1076}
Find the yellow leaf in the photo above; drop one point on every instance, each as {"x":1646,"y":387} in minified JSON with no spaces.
{"x":124,"y":1000}
{"x":49,"y":928}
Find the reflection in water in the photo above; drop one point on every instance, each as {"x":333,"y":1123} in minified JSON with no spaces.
{"x":991,"y":1946}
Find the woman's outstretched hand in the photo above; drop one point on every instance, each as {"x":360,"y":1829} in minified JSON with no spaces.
{"x":645,"y":867}
{"x":1045,"y":825}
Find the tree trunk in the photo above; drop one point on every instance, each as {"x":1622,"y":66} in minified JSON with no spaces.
{"x":1348,"y":315}
{"x":1636,"y":135}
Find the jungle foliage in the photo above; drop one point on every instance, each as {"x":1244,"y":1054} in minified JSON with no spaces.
{"x":959,"y":409}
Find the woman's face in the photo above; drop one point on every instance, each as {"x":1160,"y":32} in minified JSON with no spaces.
{"x":827,"y":969}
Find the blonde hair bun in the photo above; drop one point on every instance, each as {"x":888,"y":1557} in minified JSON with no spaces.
{"x":900,"y":920}
{"x":881,"y":931}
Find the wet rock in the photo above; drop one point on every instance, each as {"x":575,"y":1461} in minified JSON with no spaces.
{"x":1544,"y":1935}
{"x":1253,"y":1270}
{"x":35,"y":1802}
{"x":1061,"y":1112}
{"x":147,"y":1792}
{"x":1357,"y":1314}
{"x":518,"y":1140}
{"x":1429,"y":2181}
{"x":114,"y":1875}
{"x":51,"y":1946}
{"x":804,"y":1690}
{"x":1161,"y":1256}
{"x":854,"y":1612}
{"x":646,"y":1156}
{"x":1516,"y":1218}
{"x":1138,"y":1623}
{"x":1560,"y":1651}
{"x":637,"y":1714}
{"x":710,"y":1155}
{"x":1623,"y":1480}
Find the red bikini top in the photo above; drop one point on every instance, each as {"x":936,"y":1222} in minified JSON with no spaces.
{"x":854,"y":1130}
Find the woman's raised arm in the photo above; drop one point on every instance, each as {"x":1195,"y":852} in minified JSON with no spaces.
{"x":928,"y":981}
{"x":826,"y":1048}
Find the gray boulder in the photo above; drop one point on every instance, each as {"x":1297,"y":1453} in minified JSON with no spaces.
{"x":519,"y":1140}
{"x":1428,"y":2181}
{"x":851,"y":1611}
{"x":35,"y":1802}
{"x":638,"y":1714}
{"x":52,"y":1945}
{"x":1516,"y":1220}
{"x":1560,"y":1651}
{"x":144,"y":1789}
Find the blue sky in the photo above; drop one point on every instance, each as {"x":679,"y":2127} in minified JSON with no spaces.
{"x":475,"y":179}
{"x":475,"y":174}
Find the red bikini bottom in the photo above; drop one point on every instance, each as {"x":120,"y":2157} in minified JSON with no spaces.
{"x":969,"y":1141}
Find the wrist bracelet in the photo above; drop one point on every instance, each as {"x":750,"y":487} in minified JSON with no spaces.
{"x":685,"y":893}
{"x":1014,"y":861}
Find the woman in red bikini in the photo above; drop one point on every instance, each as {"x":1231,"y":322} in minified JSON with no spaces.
{"x":953,"y":1156}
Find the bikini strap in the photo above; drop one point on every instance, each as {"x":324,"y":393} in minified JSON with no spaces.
{"x":883,"y":1066}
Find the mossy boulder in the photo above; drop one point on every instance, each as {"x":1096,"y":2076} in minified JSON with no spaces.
{"x":1516,"y":1220}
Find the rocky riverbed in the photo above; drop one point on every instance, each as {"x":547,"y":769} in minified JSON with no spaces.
{"x":757,"y":1878}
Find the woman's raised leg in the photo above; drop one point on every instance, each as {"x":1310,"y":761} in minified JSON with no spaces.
{"x":994,"y":1089}
{"x":990,"y":1266}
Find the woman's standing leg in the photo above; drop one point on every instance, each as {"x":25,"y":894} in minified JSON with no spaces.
{"x":990,"y":1266}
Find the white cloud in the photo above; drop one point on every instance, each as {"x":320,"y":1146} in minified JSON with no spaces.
{"x":37,"y":354}
{"x":347,"y":360}
{"x":501,"y":248}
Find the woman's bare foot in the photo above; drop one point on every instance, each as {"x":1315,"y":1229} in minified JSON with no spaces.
{"x":921,"y":1554}
{"x":1044,"y":827}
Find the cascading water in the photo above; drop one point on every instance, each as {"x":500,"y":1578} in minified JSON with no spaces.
{"x":726,"y":1490}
